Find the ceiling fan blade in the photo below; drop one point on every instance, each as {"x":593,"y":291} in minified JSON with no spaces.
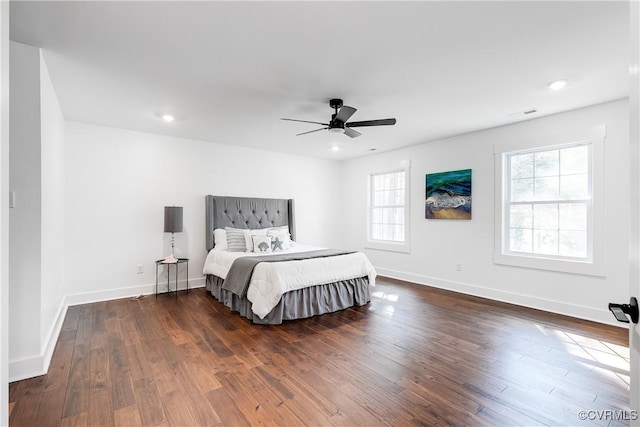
{"x":351,"y":133}
{"x":381,"y":122}
{"x":345,"y":113}
{"x":306,"y":121}
{"x":315,"y":130}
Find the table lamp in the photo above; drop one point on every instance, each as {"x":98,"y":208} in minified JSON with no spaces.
{"x":172,"y":224}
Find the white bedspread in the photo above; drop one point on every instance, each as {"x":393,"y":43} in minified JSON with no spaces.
{"x":272,"y":279}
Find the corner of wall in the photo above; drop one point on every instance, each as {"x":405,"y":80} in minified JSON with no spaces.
{"x":29,"y":367}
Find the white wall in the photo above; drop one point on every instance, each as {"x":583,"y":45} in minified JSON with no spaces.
{"x":25,"y":220}
{"x":634,"y":247}
{"x":4,"y":213}
{"x":36,"y":241}
{"x":118,"y":181}
{"x":52,"y":204}
{"x":437,"y":246}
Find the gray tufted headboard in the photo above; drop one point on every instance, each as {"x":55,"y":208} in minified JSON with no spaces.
{"x":245,"y":212}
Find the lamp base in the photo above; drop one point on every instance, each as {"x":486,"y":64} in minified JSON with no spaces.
{"x":170,"y":260}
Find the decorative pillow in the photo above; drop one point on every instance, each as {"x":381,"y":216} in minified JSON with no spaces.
{"x":261,"y":243}
{"x":235,"y":240}
{"x":254,"y":232}
{"x":280,"y":240}
{"x":280,"y":228}
{"x":285,"y":229}
{"x":220,"y":239}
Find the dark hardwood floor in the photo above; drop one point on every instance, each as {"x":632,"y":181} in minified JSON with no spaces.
{"x":413,"y":356}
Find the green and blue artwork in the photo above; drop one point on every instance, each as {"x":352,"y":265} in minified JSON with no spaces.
{"x":448,"y":195}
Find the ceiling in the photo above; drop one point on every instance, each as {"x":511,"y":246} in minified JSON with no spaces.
{"x":229,"y":71}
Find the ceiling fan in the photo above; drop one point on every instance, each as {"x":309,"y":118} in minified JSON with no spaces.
{"x":339,"y":124}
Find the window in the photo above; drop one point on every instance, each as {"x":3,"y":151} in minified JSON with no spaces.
{"x":548,"y":202}
{"x":388,"y":210}
{"x":550,"y":205}
{"x":387,"y":207}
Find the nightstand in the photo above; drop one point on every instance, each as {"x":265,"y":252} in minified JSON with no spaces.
{"x":175,"y":265}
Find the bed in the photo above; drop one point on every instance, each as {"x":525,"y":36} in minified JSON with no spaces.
{"x":314,"y":281}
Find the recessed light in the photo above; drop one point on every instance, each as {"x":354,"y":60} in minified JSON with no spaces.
{"x":168,"y":118}
{"x":557,"y":84}
{"x":335,"y":148}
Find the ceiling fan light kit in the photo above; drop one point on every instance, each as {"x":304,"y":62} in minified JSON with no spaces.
{"x":339,"y":121}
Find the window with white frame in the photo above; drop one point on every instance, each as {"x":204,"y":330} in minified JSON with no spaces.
{"x":550,"y":211}
{"x":548,"y":202}
{"x":388,"y":210}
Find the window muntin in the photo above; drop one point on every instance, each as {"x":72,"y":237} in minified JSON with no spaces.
{"x":548,"y":203}
{"x":387,"y":207}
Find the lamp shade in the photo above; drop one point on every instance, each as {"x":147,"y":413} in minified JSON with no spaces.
{"x":172,"y":219}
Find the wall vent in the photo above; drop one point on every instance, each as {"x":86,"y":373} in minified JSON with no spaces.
{"x":522,"y":113}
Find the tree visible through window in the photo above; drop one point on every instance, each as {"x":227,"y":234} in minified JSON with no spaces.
{"x":548,"y":202}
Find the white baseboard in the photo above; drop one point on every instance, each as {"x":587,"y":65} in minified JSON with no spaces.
{"x":128,"y":292}
{"x":552,"y":306}
{"x":26,"y":368}
{"x":30,"y":367}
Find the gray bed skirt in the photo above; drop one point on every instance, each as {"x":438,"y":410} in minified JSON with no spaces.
{"x":298,"y":304}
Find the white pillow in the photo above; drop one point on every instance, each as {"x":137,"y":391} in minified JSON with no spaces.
{"x":280,"y":228}
{"x":280,"y":240}
{"x":235,"y":240}
{"x":284,"y":229}
{"x":249,"y":233}
{"x":261,"y":243}
{"x":220,"y":239}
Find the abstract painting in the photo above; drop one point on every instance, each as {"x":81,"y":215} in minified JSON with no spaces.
{"x":448,"y":195}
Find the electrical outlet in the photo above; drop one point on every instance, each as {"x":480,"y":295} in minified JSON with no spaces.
{"x":458,"y":267}
{"x":140,"y":269}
